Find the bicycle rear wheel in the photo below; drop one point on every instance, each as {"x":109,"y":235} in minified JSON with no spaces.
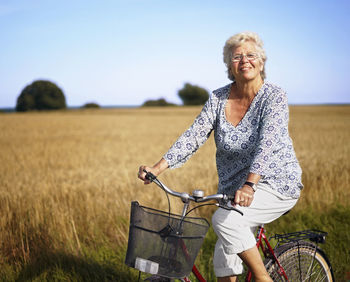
{"x":302,"y":261}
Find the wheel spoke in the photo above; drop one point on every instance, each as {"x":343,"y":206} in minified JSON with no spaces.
{"x":312,"y":272}
{"x":301,"y":262}
{"x":311,"y":266}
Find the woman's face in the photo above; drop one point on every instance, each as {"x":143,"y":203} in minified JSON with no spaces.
{"x":245,"y":64}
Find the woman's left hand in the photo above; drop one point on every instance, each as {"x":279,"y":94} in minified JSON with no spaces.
{"x":244,"y":196}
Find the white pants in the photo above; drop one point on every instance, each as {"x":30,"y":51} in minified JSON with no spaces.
{"x":236,"y":232}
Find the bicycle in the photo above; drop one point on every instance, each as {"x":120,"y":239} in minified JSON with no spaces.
{"x":166,"y":245}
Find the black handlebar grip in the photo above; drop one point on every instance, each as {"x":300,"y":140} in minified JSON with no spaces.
{"x":149,"y":175}
{"x":230,"y":197}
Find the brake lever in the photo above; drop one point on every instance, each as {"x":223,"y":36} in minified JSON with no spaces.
{"x":223,"y":204}
{"x":226,"y":207}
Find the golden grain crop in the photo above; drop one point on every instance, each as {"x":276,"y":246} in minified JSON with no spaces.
{"x":67,"y":178}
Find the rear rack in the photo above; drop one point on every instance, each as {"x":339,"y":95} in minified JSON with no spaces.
{"x":315,"y":236}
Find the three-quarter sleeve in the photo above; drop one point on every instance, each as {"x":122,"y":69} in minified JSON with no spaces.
{"x":194,"y":137}
{"x":273,"y":135}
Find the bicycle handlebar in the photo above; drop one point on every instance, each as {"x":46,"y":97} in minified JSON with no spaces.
{"x":197,"y":195}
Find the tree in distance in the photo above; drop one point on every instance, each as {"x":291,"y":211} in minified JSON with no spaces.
{"x":157,"y":103}
{"x":41,"y":95}
{"x":193,"y":95}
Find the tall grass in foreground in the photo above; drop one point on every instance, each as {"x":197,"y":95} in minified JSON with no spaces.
{"x":67,"y":180}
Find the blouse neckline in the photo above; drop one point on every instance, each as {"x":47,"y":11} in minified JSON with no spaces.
{"x":228,"y":90}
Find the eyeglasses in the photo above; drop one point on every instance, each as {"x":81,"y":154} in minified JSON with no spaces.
{"x":250,"y":56}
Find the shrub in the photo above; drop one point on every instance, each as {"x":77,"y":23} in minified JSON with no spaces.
{"x":157,"y":103}
{"x":90,"y":106}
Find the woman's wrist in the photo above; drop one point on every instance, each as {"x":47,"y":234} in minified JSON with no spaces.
{"x":253,"y":178}
{"x":160,"y":166}
{"x":252,"y":185}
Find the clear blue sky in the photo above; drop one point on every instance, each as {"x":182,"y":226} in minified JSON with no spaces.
{"x":124,"y":52}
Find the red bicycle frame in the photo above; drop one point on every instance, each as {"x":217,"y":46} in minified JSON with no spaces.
{"x":266,"y":249}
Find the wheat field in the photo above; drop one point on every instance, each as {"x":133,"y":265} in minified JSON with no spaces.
{"x":67,"y":178}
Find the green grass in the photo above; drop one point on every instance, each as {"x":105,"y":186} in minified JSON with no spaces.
{"x":103,"y":264}
{"x":106,"y":263}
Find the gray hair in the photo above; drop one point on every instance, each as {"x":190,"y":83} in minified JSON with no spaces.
{"x":235,"y":41}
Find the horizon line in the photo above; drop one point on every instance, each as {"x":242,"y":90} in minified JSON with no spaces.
{"x":13,"y":109}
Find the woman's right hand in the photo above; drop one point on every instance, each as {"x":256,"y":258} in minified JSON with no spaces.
{"x":142,"y":174}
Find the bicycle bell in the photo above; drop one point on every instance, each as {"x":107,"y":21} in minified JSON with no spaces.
{"x":198,"y":193}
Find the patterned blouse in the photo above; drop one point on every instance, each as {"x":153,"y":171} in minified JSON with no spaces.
{"x":259,"y":143}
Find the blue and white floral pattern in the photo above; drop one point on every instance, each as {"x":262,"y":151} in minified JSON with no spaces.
{"x":259,"y":143}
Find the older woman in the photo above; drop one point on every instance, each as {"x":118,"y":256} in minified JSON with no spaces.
{"x":255,"y":156}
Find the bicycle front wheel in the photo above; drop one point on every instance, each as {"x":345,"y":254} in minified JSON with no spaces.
{"x":301,"y":261}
